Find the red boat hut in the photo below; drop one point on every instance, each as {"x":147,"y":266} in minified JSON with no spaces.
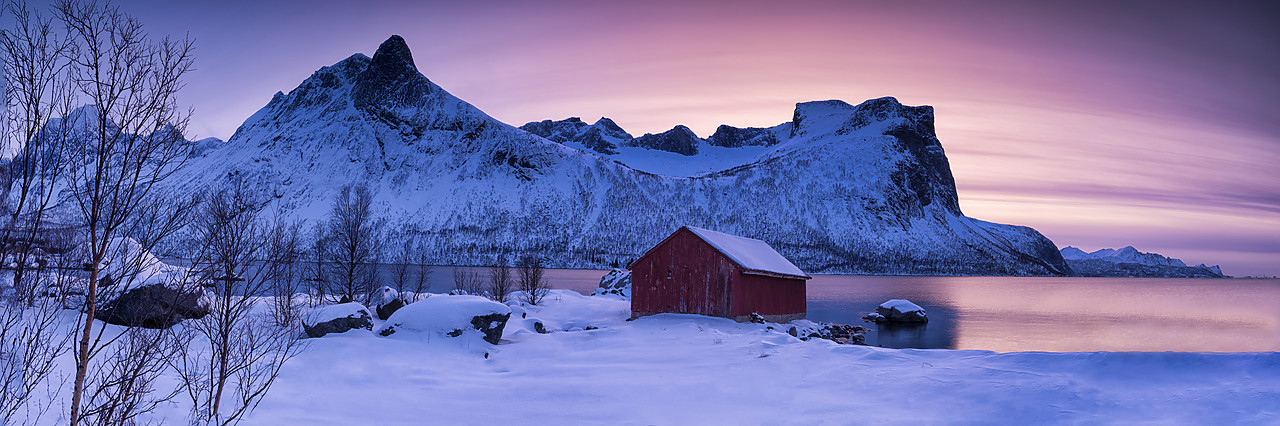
{"x":699,"y":271}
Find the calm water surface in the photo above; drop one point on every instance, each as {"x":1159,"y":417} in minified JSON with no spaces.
{"x":1039,"y":314}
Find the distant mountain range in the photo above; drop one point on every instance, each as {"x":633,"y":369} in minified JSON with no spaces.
{"x":838,"y":188}
{"x":1129,"y":262}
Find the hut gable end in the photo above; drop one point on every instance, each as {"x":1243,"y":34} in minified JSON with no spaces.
{"x":698,"y":271}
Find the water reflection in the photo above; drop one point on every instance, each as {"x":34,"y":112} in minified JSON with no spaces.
{"x":1047,"y":314}
{"x":1030,"y":314}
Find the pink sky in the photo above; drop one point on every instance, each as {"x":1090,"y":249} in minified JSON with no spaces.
{"x":1099,"y":123}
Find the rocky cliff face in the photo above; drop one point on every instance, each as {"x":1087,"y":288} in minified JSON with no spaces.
{"x":839,"y":188}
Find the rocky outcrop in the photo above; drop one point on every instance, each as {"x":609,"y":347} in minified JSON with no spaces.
{"x":603,"y":137}
{"x":736,"y":137}
{"x":679,"y":140}
{"x":154,"y":306}
{"x":490,"y":325}
{"x":839,"y":333}
{"x":338,"y":318}
{"x":617,"y":282}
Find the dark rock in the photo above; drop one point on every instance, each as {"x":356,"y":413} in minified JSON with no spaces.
{"x":840,"y":333}
{"x":735,"y":137}
{"x":756,"y":318}
{"x":593,"y":139}
{"x":538,"y":327}
{"x":154,"y":306}
{"x":327,"y":321}
{"x":491,"y":325}
{"x":391,"y":79}
{"x":388,"y":301}
{"x":557,"y":131}
{"x":385,"y":310}
{"x":602,"y":137}
{"x":679,"y":140}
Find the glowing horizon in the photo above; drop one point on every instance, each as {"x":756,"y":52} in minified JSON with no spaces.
{"x":1100,"y":125}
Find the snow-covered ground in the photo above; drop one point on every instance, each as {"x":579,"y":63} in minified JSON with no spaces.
{"x":686,"y":369}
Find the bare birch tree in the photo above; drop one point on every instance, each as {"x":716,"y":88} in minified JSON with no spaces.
{"x":231,"y":357}
{"x":353,"y":248}
{"x":467,"y":282}
{"x":532,"y":282}
{"x":133,"y":141}
{"x":422,"y":279}
{"x":283,"y":270}
{"x":500,"y":282}
{"x":318,"y":270}
{"x":31,"y":340}
{"x":36,"y":90}
{"x":402,"y":267}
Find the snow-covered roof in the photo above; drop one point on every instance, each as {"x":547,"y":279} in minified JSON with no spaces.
{"x":749,"y":253}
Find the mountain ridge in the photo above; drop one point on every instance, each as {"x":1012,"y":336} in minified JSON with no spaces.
{"x":845,"y":188}
{"x":1129,"y":262}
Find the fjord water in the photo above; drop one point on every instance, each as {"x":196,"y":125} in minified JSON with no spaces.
{"x":1009,"y":314}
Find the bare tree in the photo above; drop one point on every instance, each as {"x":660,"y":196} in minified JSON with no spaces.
{"x":401,"y":267}
{"x":500,"y":282}
{"x":239,"y":352}
{"x":318,"y":271}
{"x":283,"y":272}
{"x":422,"y":279}
{"x":467,"y":282}
{"x":353,"y":249}
{"x":133,"y":141}
{"x":531,"y":281}
{"x":35,"y":90}
{"x":122,"y":384}
{"x":31,"y":340}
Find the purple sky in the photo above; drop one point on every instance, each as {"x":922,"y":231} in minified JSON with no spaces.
{"x":1099,"y":123}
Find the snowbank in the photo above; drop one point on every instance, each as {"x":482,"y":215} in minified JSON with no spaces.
{"x":448,"y":315}
{"x":702,"y":370}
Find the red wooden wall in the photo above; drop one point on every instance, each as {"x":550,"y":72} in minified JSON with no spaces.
{"x":684,"y":274}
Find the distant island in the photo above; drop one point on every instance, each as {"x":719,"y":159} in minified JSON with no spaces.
{"x":1129,"y":262}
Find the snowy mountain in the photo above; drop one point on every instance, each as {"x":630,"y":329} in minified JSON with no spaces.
{"x":838,"y":188}
{"x":1129,"y":262}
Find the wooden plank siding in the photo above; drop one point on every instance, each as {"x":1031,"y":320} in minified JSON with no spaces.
{"x":684,"y":274}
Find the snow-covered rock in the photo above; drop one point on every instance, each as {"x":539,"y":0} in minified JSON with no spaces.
{"x":388,"y":301}
{"x":839,"y":333}
{"x":846,"y":188}
{"x":137,"y":289}
{"x":901,"y":310}
{"x":155,"y":305}
{"x":449,"y":315}
{"x":339,"y":318}
{"x":617,"y":282}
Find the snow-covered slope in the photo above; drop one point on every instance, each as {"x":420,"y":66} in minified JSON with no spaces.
{"x":856,"y":189}
{"x":1129,"y":262}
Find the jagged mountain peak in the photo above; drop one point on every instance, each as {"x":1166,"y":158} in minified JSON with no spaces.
{"x":391,"y":79}
{"x":839,"y":198}
{"x":392,"y":54}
